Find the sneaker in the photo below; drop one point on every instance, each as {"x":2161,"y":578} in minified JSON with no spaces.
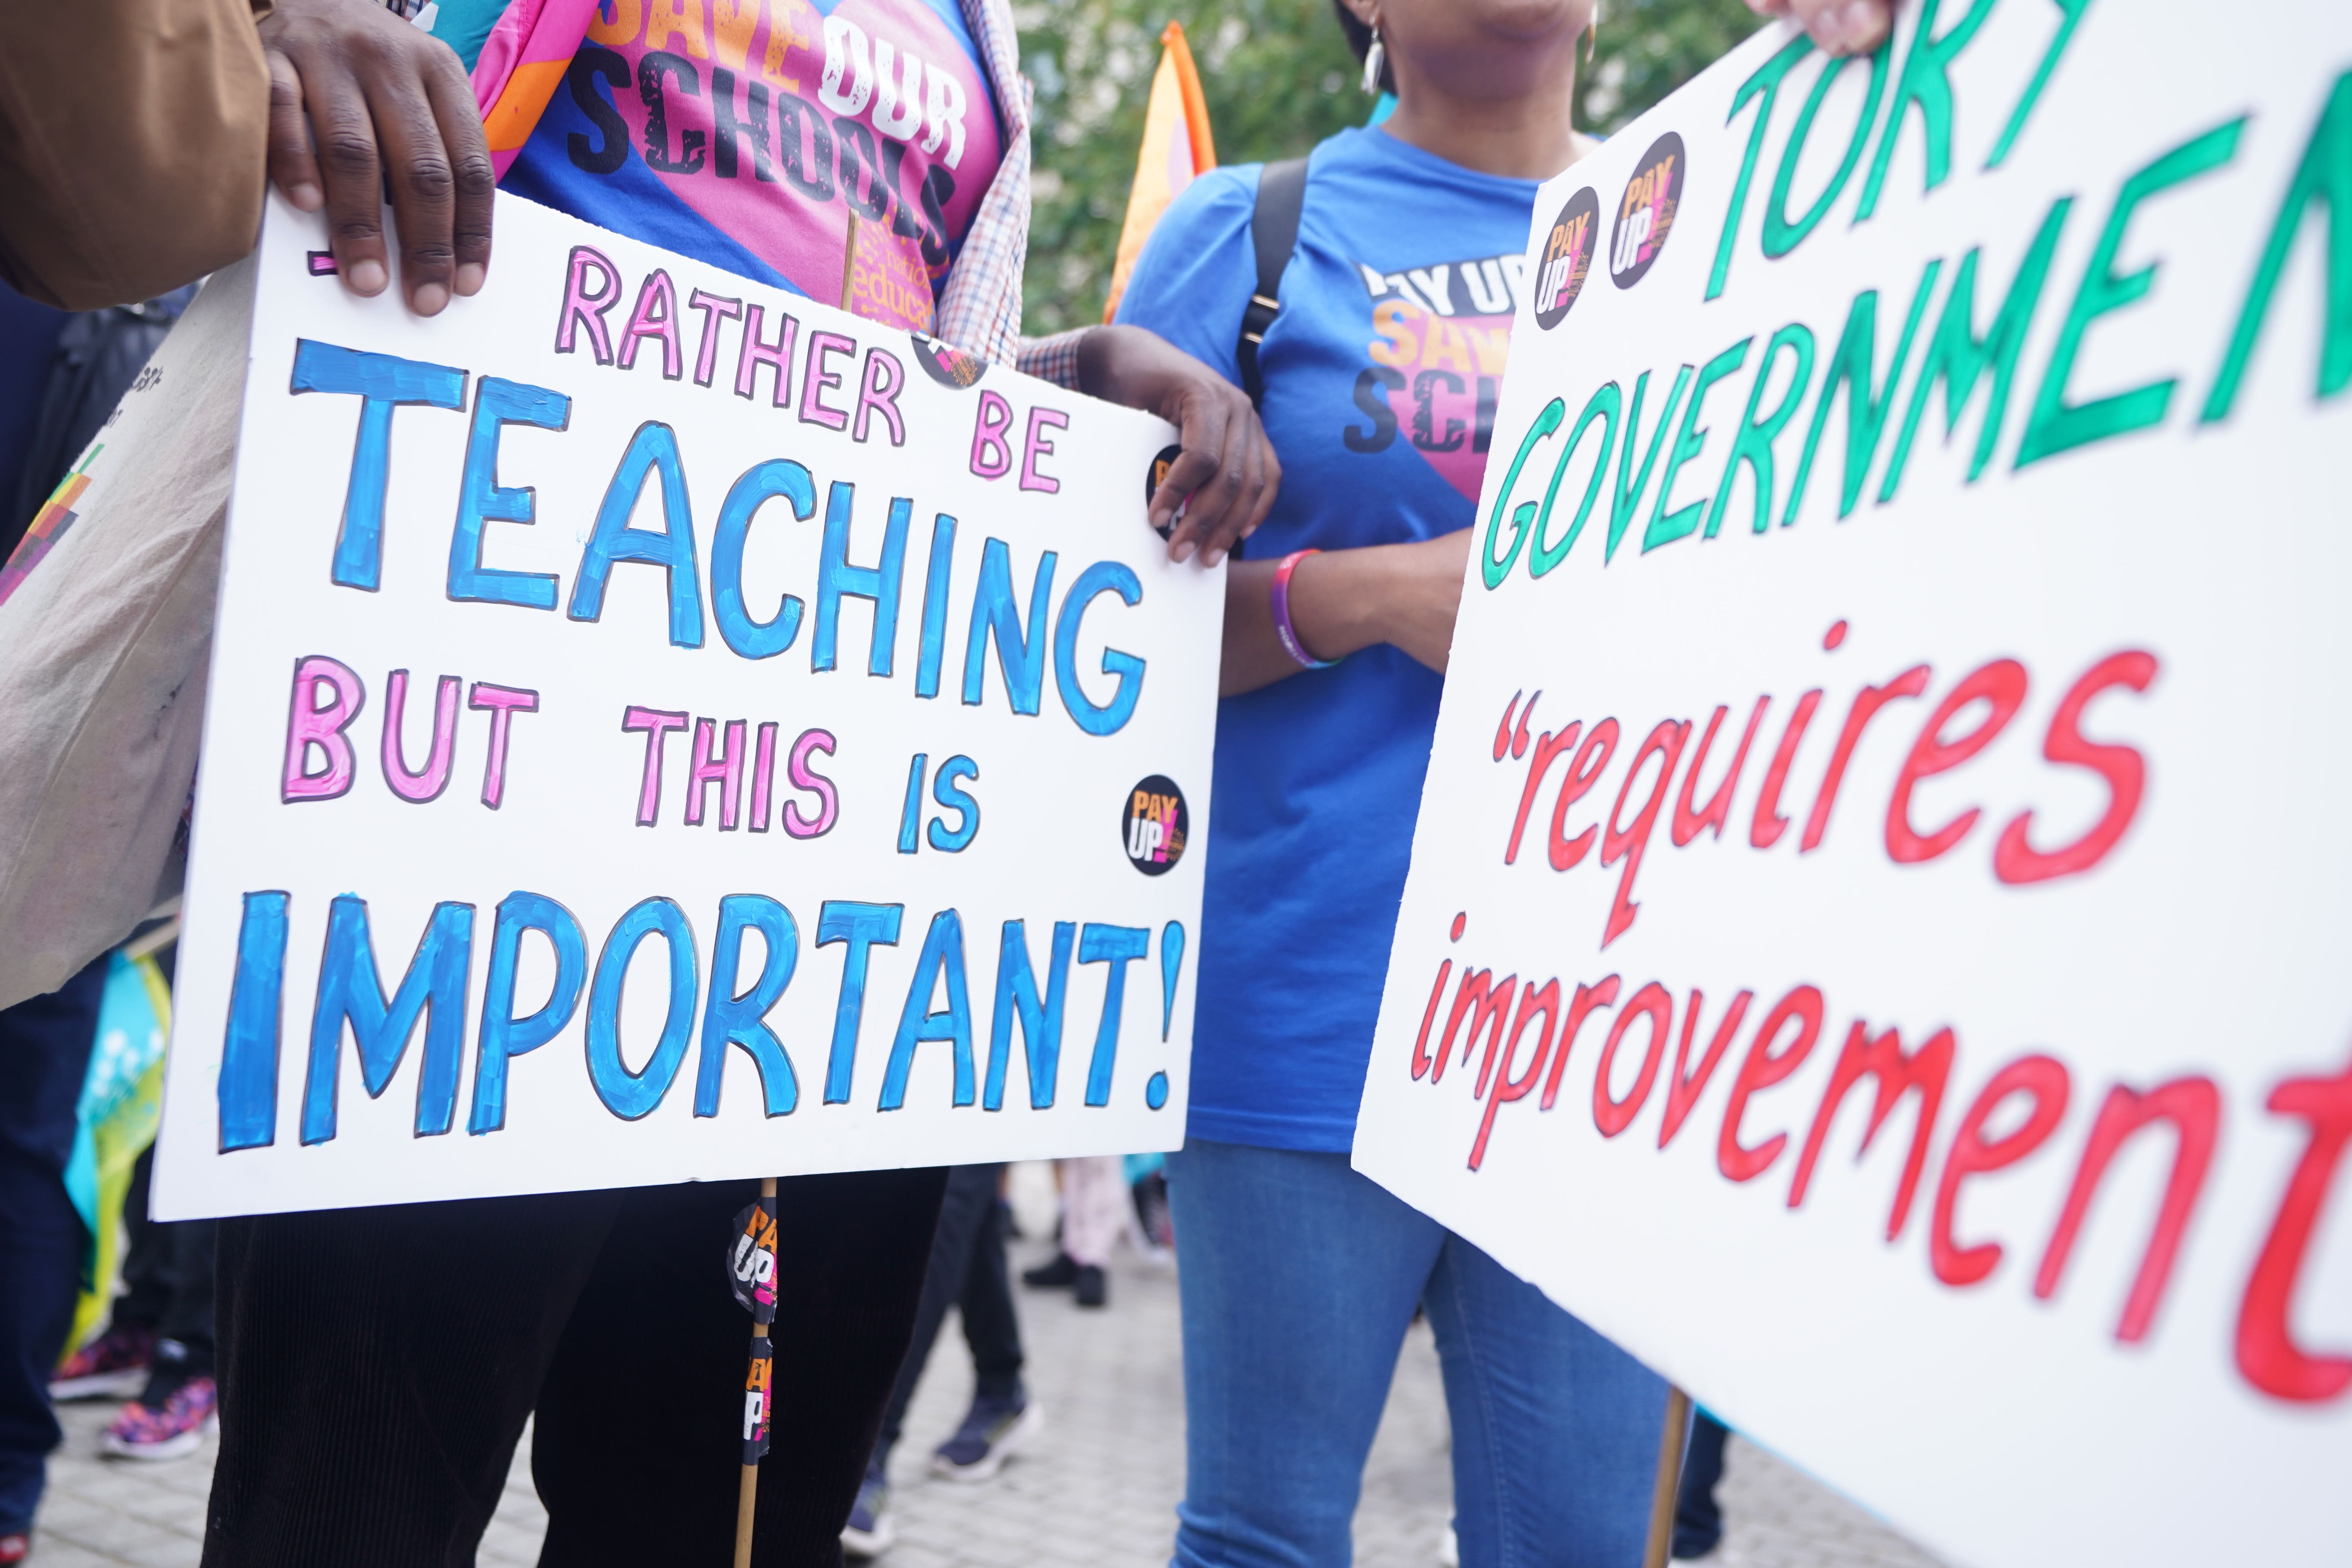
{"x":868,"y":1533}
{"x":113,"y":1366}
{"x":178,"y":1427}
{"x":993,"y":1431}
{"x":1093,"y":1290}
{"x":1059,"y":1274}
{"x":15,"y":1549}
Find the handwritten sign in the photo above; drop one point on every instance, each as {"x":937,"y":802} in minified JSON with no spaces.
{"x":1875,"y":942}
{"x":664,"y":729}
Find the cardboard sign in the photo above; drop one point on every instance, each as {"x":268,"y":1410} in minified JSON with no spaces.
{"x":662,"y":729}
{"x":1875,"y":942}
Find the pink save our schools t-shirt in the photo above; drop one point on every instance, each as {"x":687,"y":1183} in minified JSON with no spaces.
{"x":745,"y":133}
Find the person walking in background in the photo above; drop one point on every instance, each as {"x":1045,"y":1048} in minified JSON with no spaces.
{"x":1095,"y":1203}
{"x":1392,"y":256}
{"x":967,"y":1268}
{"x":1699,"y":1517}
{"x":158,"y":1346}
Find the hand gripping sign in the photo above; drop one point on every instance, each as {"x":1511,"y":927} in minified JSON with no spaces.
{"x":661,"y":728}
{"x":1876,"y":938}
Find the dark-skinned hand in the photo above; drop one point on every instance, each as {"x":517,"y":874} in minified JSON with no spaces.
{"x":362,"y":102}
{"x":1227,"y":476}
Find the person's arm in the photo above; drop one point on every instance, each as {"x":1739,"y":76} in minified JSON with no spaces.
{"x":131,"y":137}
{"x":1227,"y":476}
{"x":1342,"y":601}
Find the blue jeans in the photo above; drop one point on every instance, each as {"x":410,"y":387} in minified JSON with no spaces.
{"x":1299,"y":1278}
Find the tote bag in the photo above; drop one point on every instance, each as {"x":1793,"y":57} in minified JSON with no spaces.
{"x":106,"y":617}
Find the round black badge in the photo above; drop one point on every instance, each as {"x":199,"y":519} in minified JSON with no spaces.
{"x":1157,"y":476}
{"x":1153,"y":825}
{"x":1567,"y":257}
{"x":1646,"y":216}
{"x":946,"y":363}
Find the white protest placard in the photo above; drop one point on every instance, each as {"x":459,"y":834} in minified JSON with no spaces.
{"x":663,"y":729}
{"x":1875,"y":943}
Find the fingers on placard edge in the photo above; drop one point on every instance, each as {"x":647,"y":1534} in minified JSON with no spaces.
{"x":291,"y":166}
{"x":423,"y":199}
{"x":474,"y":177}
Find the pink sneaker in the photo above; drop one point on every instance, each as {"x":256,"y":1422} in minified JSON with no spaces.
{"x":189,"y":1415}
{"x":111,"y":1365}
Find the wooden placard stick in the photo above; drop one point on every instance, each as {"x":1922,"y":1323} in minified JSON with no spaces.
{"x":849,"y":261}
{"x":751,"y":1266}
{"x":1669,"y":1482}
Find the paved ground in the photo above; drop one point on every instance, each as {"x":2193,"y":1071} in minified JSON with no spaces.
{"x":1096,"y":1490}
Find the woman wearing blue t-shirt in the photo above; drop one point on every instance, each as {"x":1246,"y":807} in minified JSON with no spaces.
{"x":1381,"y":372}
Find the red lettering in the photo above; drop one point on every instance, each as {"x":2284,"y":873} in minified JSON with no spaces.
{"x":1532,"y":1001}
{"x":2193,"y":1106}
{"x":1565,"y":851}
{"x":1683,"y":1092}
{"x":1883,"y":1058}
{"x":1628,"y":843}
{"x":2014,"y":859}
{"x":1588,"y":1000}
{"x":2044,"y":1079}
{"x":1485,"y":1003}
{"x":1761,"y":1070}
{"x":1650,"y":1002}
{"x":1510,"y":740}
{"x":1719,"y":805}
{"x":2267,"y":1353}
{"x":1547,"y":750}
{"x":1765,"y":830}
{"x":1866,"y":704}
{"x":2002,"y":685}
{"x":1421,"y":1043}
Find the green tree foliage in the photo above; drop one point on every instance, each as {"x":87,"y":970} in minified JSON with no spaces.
{"x":1279,"y":78}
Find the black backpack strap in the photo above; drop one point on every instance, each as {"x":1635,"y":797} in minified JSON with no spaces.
{"x":1274,"y":231}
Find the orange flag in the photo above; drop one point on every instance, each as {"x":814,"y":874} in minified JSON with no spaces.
{"x":1176,"y":149}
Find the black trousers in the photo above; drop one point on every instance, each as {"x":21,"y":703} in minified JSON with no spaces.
{"x":44,"y":1054}
{"x":967,"y":1270}
{"x":377,"y":1366}
{"x":167,"y":1278}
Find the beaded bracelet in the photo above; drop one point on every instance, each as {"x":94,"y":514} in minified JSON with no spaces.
{"x":1282,"y":626}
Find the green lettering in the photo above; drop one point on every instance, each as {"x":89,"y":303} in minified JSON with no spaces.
{"x":1496,"y":570}
{"x":1666,"y":527}
{"x":2071,"y":18}
{"x":1624,"y":502}
{"x":1959,"y":356}
{"x":1754,"y":446}
{"x":2057,"y":425}
{"x":1925,"y":80}
{"x":1766,"y":82}
{"x":2324,"y":175}
{"x":1866,"y":406}
{"x":1781,"y":236}
{"x":1604,"y":405}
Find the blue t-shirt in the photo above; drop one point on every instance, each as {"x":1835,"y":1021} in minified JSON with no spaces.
{"x":1382,"y":372}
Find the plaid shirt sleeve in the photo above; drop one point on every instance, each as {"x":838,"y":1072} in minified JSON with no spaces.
{"x":980,"y":310}
{"x":1053,"y":359}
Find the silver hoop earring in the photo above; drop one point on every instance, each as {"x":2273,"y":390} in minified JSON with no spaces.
{"x":1375,"y":61}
